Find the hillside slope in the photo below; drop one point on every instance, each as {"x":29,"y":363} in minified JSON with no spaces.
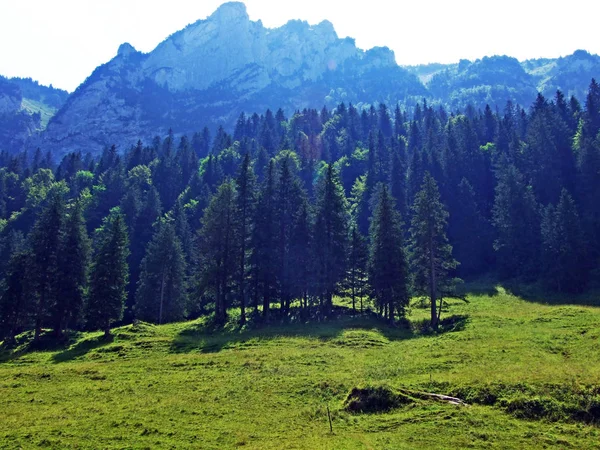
{"x":529,"y":371}
{"x":26,"y":107}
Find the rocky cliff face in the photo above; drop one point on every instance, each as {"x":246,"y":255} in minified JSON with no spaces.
{"x":211,"y":71}
{"x":25,"y":108}
{"x":214,"y":69}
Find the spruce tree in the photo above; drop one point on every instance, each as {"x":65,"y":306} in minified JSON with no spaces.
{"x":46,"y":239}
{"x":109,"y":274}
{"x":218,"y":243}
{"x":301,"y":254}
{"x":431,"y":254}
{"x":331,"y":237}
{"x":183,"y":230}
{"x":16,"y":306}
{"x":246,"y":205}
{"x":161,"y":294}
{"x":468,"y":231}
{"x":356,"y":275}
{"x":264,"y":243}
{"x":563,"y":247}
{"x":73,"y":266}
{"x":288,"y":200}
{"x":388,"y":273}
{"x":517,"y":222}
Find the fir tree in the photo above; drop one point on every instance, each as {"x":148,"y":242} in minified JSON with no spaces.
{"x":109,"y":274}
{"x":161,"y":294}
{"x":73,"y":265}
{"x":388,"y":272}
{"x":246,"y":205}
{"x":331,"y":237}
{"x":218,"y":248}
{"x":16,"y":306}
{"x":301,"y":254}
{"x":431,"y":254}
{"x":563,"y":247}
{"x":263,"y":259}
{"x":517,"y":222}
{"x":46,"y":239}
{"x":356,"y":275}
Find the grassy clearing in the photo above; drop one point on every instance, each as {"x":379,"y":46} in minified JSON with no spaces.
{"x":46,"y":112}
{"x":526,"y":368}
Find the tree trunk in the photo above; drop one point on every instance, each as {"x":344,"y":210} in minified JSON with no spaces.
{"x":432,"y":284}
{"x":162,"y":298}
{"x":353,"y":295}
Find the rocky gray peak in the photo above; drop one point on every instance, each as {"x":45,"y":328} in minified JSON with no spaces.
{"x":126,"y":49}
{"x":230,"y":12}
{"x":381,"y":57}
{"x":228,"y":43}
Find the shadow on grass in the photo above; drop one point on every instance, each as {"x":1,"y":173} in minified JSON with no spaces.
{"x":81,"y":348}
{"x":208,"y":338}
{"x":24,"y":344}
{"x":537,"y":293}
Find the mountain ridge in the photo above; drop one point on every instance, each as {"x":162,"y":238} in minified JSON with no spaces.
{"x":214,"y":69}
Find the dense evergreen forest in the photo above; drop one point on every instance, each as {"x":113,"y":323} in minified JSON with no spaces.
{"x":279,"y":217}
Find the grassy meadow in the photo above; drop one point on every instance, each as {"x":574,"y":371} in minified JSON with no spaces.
{"x":529,"y":371}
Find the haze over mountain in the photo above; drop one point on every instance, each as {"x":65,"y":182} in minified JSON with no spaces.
{"x":217,"y":68}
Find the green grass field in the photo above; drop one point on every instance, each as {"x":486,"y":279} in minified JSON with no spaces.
{"x":46,"y":112}
{"x":530,"y":373}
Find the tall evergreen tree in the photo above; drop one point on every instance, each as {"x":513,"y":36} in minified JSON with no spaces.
{"x":563,"y":247}
{"x":356,"y":275}
{"x":469,"y":232}
{"x":218,"y":248}
{"x":246,"y":205}
{"x":388,"y":272}
{"x":16,"y":307}
{"x":517,"y":222}
{"x":263,"y":259}
{"x":161,"y":294}
{"x":109,"y":274}
{"x":301,"y":254}
{"x":46,"y":239}
{"x":72,"y":275}
{"x":331,"y":236}
{"x":431,"y":254}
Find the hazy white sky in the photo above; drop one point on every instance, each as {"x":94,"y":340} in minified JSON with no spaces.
{"x":62,"y":41}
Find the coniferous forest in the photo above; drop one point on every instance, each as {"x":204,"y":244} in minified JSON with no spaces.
{"x":270,"y":221}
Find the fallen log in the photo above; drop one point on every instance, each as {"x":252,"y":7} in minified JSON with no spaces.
{"x":438,"y":397}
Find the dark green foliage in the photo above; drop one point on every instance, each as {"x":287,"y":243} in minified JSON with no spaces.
{"x":330,"y":236}
{"x":109,"y":275}
{"x":388,"y":271}
{"x":218,"y":243}
{"x":288,"y":201}
{"x":469,"y":232}
{"x":356,"y":274}
{"x":46,"y":238}
{"x":517,"y":222}
{"x":246,"y":207}
{"x":563,"y":247}
{"x":73,"y":266}
{"x":161,"y":292}
{"x":430,"y":251}
{"x":263,"y":259}
{"x":16,"y":306}
{"x":286,"y":240}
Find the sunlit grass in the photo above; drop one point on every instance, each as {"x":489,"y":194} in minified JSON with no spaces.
{"x":182,"y":386}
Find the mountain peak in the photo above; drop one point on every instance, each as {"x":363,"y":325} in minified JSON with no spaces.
{"x":230,"y":12}
{"x":126,"y":49}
